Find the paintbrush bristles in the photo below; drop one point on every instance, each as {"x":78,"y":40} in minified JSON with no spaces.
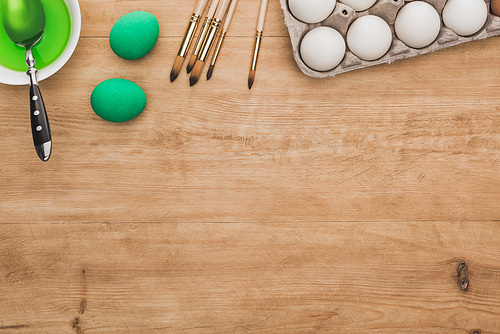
{"x":195,"y":75}
{"x":210,"y":72}
{"x":258,"y":40}
{"x":191,"y":63}
{"x":176,"y":69}
{"x":251,"y":78}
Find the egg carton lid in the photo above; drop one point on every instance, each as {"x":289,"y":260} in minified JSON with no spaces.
{"x":344,"y":15}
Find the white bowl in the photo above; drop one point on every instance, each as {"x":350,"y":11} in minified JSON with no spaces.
{"x":11,"y":77}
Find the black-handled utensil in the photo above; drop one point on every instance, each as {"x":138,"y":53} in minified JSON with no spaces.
{"x":24,"y":23}
{"x":40,"y":127}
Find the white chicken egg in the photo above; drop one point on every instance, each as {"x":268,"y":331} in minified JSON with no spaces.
{"x":322,"y":49}
{"x":417,"y":24}
{"x":465,"y":17}
{"x":311,"y":11}
{"x":369,"y":37}
{"x":359,"y":5}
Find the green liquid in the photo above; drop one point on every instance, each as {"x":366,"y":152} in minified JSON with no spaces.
{"x":50,"y":46}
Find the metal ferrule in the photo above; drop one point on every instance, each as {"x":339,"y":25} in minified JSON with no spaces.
{"x":32,"y":74}
{"x":256,"y":48}
{"x":203,"y":36}
{"x":188,"y":36}
{"x":217,"y":49}
{"x":212,"y":33}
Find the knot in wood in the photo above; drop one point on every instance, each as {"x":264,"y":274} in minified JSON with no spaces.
{"x":463,"y":277}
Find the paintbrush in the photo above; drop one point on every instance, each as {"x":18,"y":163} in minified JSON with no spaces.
{"x":207,"y":45}
{"x":203,"y":34}
{"x":188,"y":38}
{"x":227,"y":22}
{"x":258,"y":41}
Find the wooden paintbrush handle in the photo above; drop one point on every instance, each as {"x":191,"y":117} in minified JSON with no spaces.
{"x":200,"y":7}
{"x":262,"y":15}
{"x":212,"y":9}
{"x":221,"y":10}
{"x":229,"y":15}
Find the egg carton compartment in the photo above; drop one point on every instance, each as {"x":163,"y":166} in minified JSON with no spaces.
{"x":343,"y":16}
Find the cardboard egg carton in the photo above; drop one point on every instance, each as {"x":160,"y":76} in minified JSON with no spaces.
{"x":344,"y":15}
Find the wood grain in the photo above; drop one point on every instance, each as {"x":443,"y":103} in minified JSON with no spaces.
{"x":415,"y":140}
{"x":302,"y":206}
{"x":249,"y":278}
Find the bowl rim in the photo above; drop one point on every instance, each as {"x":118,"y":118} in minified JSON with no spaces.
{"x":11,"y":77}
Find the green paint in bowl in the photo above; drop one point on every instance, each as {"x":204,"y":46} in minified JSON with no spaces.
{"x":49,"y":48}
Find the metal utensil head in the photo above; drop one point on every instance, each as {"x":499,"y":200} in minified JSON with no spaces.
{"x":24,"y":21}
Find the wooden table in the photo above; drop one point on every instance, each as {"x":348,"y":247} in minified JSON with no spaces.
{"x":302,"y":206}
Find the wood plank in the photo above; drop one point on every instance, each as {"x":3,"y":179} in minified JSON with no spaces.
{"x":393,"y":277}
{"x":418,"y":140}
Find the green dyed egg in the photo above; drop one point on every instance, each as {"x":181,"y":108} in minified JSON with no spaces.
{"x":118,"y":100}
{"x":134,"y":35}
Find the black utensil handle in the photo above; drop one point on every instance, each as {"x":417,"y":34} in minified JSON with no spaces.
{"x":39,"y":121}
